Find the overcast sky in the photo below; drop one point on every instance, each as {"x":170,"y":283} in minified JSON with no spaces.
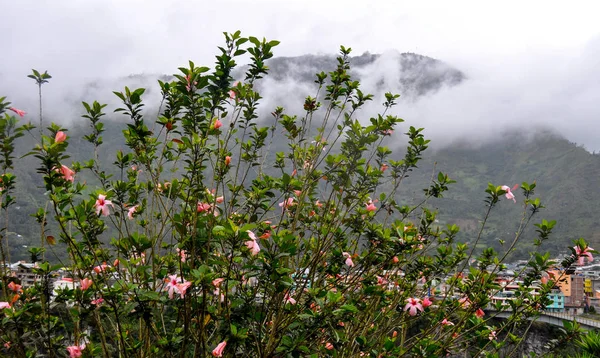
{"x":528,"y":62}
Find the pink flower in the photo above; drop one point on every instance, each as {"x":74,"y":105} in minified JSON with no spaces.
{"x":14,"y":287}
{"x":131,"y":211}
{"x":395,"y":259}
{"x":231,"y":94}
{"x":60,"y":137}
{"x":545,"y":280}
{"x":227,"y":160}
{"x":101,"y":268}
{"x":183,"y":287}
{"x":329,"y":346}
{"x":297,"y":192}
{"x":583,"y":254}
{"x":217,"y":124}
{"x":18,"y":111}
{"x":251,"y":244}
{"x":427,"y":302}
{"x":67,"y":173}
{"x":370,"y":206}
{"x":98,"y":301}
{"x":492,"y":335}
{"x":4,"y":305}
{"x":289,"y":299}
{"x":219,"y":199}
{"x":102,"y":205}
{"x":413,"y":306}
{"x":348,"y":261}
{"x":86,"y":283}
{"x":509,"y":194}
{"x":172,"y":283}
{"x":479,"y":313}
{"x":445,"y":322}
{"x":202,"y":207}
{"x":388,"y":132}
{"x":266,"y":235}
{"x":286,"y":203}
{"x":75,"y":351}
{"x":116,"y":262}
{"x":381,"y":281}
{"x":217,"y":281}
{"x":181,"y":254}
{"x":464,"y":302}
{"x":318,"y":204}
{"x":218,"y":351}
{"x":384,"y":167}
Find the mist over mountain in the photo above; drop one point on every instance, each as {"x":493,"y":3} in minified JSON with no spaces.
{"x":567,"y":175}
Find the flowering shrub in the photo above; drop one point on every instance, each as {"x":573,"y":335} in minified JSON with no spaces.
{"x":203,"y":242}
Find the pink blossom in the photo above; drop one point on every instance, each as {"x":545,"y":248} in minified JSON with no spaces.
{"x":583,"y":254}
{"x":183,"y":287}
{"x":509,"y":194}
{"x":218,"y":351}
{"x":116,"y":262}
{"x":384,"y":167}
{"x":395,"y":259}
{"x":413,"y":306}
{"x":219,"y":199}
{"x":76,"y":351}
{"x":492,"y":335}
{"x":251,"y":244}
{"x":60,"y":137}
{"x":445,"y":322}
{"x":14,"y":287}
{"x":4,"y":305}
{"x":464,"y":302}
{"x":86,"y":283}
{"x":318,"y":204}
{"x":427,"y":302}
{"x":131,"y":211}
{"x":227,"y":160}
{"x":479,"y":313}
{"x":388,"y":132}
{"x":231,"y":94}
{"x":203,"y":207}
{"x":217,"y":124}
{"x":101,"y":268}
{"x":102,"y":205}
{"x":381,"y":280}
{"x":217,"y":281}
{"x":329,"y":346}
{"x":98,"y":301}
{"x":298,"y":193}
{"x":289,"y":299}
{"x":67,"y":173}
{"x":348,"y":261}
{"x":370,"y":206}
{"x":265,"y":235}
{"x":18,"y":111}
{"x":286,"y":203}
{"x":181,"y":254}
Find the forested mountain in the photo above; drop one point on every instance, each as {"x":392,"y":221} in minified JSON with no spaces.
{"x":568,"y":177}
